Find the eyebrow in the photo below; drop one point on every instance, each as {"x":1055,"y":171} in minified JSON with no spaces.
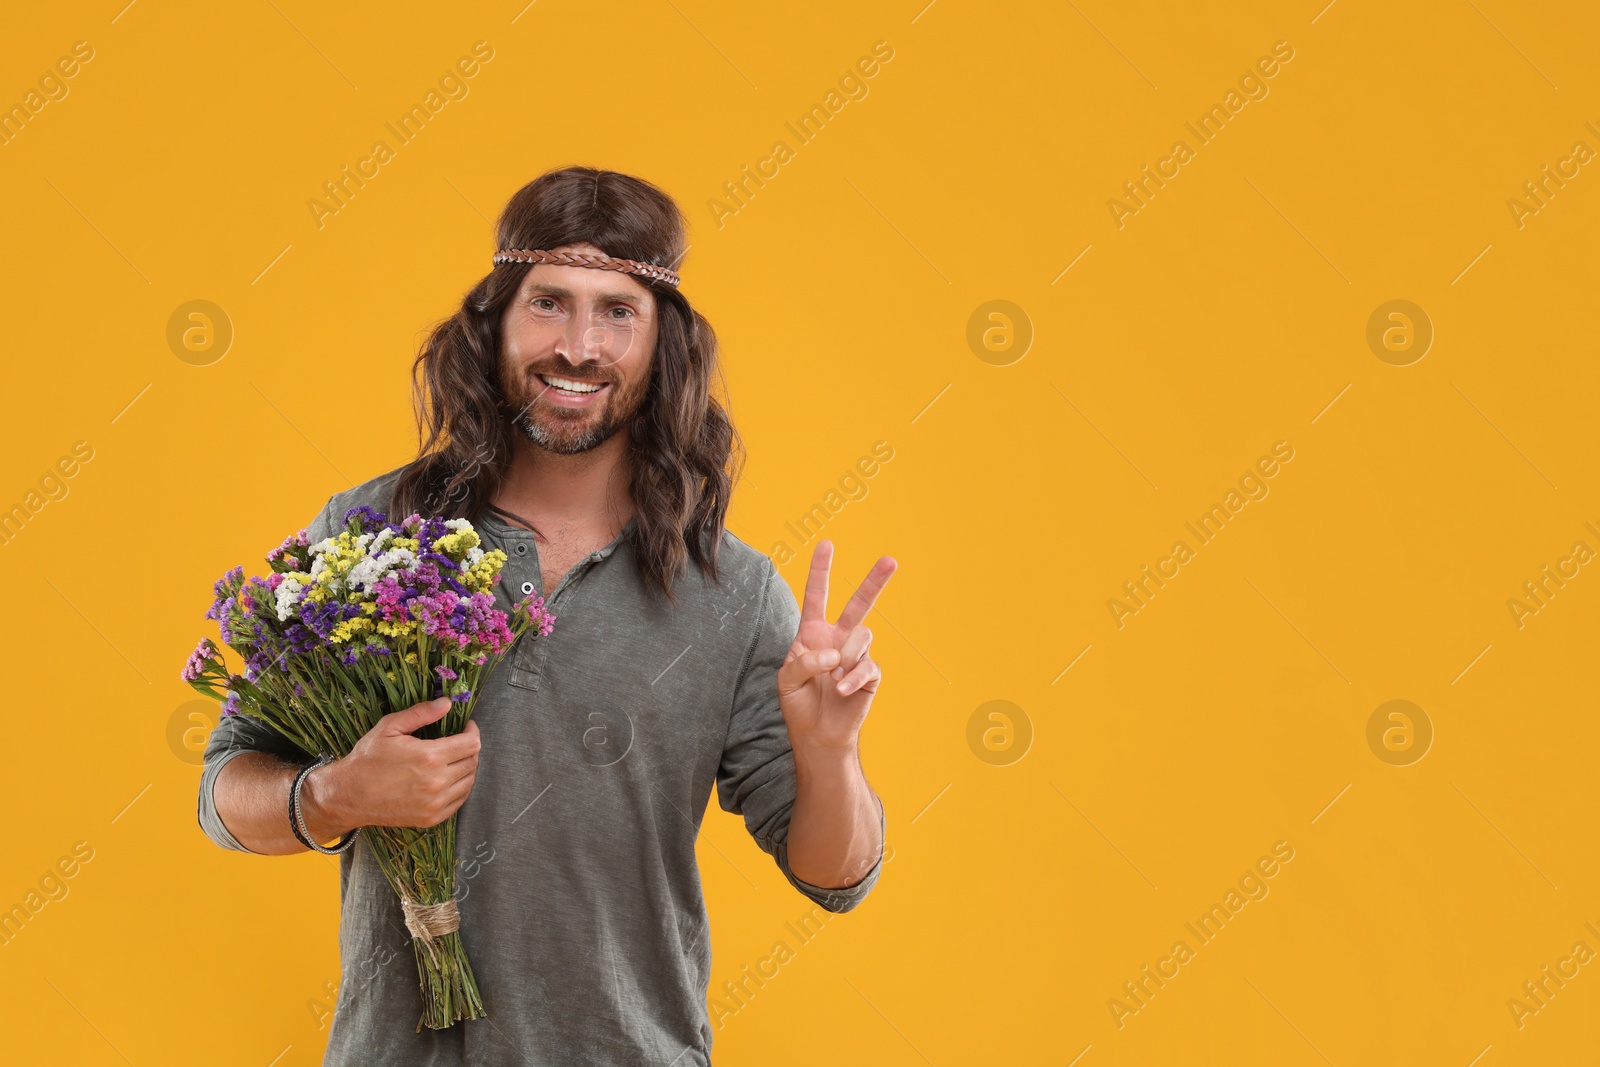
{"x":556,"y":290}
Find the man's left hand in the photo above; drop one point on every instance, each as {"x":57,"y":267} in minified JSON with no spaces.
{"x":828,"y":679}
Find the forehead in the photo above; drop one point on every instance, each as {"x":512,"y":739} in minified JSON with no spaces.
{"x":604,"y":290}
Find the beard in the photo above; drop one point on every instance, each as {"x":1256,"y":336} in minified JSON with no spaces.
{"x":567,"y":431}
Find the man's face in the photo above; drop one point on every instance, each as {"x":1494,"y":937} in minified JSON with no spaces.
{"x":568,"y":330}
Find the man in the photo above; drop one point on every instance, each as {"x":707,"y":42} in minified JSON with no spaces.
{"x":566,"y":410}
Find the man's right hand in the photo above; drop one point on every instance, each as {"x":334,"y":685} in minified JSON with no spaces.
{"x":391,"y":778}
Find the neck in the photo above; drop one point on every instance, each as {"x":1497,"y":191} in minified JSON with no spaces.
{"x":588,"y":491}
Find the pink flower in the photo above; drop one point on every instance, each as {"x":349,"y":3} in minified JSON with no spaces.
{"x":204,"y":652}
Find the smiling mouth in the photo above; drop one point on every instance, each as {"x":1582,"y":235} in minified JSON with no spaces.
{"x":570,"y":386}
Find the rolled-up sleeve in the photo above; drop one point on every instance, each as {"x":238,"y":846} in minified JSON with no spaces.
{"x":756,"y":778}
{"x":235,"y":735}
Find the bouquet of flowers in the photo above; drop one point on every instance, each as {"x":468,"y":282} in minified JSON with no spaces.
{"x":372,"y":620}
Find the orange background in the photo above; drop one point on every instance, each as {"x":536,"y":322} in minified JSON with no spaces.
{"x":1041,"y":859}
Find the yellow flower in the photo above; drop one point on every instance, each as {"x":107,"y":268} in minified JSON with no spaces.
{"x":457,"y":543}
{"x":350,"y":628}
{"x":480,"y":576}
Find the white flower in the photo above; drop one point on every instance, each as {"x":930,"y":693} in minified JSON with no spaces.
{"x":318,"y":564}
{"x":370,"y":571}
{"x":288,"y":594}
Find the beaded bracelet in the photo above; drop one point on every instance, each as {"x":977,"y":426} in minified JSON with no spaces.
{"x":297,"y":819}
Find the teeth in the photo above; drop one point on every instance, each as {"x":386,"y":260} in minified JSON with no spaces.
{"x":568,"y":385}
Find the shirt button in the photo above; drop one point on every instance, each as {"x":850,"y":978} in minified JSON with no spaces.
{"x":527,"y":588}
{"x":522,"y":550}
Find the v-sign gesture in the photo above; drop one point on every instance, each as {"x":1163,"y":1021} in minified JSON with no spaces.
{"x":828,"y":679}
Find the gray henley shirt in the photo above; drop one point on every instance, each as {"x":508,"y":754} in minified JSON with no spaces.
{"x":581,"y":907}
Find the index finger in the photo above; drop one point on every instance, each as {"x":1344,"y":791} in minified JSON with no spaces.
{"x":815,"y":604}
{"x":454,"y":747}
{"x":866,"y":593}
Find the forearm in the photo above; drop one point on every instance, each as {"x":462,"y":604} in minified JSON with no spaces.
{"x":835,"y":834}
{"x":252,"y":799}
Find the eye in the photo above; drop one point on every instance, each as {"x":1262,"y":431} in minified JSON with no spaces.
{"x":626,"y":313}
{"x":540,"y":302}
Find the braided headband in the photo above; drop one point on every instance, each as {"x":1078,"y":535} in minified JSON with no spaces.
{"x":584,"y":259}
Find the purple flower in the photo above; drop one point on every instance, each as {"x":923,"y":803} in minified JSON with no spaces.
{"x":301,"y":639}
{"x":223,"y":590}
{"x":224,"y":610}
{"x":322,"y":618}
{"x":370,"y":519}
{"x":231,"y":705}
{"x":257,"y":663}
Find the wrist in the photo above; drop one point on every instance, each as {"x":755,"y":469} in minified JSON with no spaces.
{"x":323,"y":803}
{"x":826,"y":759}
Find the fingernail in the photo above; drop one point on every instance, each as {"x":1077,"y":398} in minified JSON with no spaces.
{"x":842,"y":687}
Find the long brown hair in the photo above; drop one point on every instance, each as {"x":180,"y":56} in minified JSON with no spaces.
{"x":685,"y":454}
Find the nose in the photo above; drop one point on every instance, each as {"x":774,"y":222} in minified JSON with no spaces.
{"x":575,"y":344}
{"x":583,"y":339}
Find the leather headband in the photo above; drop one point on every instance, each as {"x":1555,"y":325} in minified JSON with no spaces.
{"x":584,"y":259}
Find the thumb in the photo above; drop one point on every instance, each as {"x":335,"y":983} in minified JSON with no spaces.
{"x":807,"y":665}
{"x":415,"y":717}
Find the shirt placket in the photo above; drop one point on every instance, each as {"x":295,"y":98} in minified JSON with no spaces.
{"x":521,"y":576}
{"x":530,"y":669}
